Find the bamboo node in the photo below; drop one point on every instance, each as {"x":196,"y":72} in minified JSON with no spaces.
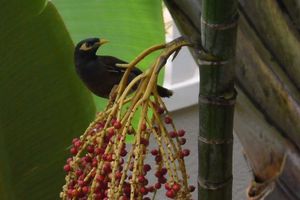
{"x":213,"y":186}
{"x":221,"y":26}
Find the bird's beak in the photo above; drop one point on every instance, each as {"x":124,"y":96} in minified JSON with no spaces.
{"x":102,"y":41}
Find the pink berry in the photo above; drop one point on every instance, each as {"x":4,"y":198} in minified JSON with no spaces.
{"x":67,"y":168}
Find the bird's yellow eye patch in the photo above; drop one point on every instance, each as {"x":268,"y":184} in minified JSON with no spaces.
{"x":85,"y":47}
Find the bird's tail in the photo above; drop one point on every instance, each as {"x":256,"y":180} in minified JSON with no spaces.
{"x":164,"y":92}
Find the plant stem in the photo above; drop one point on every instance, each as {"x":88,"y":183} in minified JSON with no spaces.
{"x":216,"y":99}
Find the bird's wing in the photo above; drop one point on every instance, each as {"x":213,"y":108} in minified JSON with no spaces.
{"x":111,"y":62}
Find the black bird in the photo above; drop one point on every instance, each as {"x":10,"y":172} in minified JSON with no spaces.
{"x":100,"y":73}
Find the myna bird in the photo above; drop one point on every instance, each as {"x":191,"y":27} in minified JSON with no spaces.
{"x":100,"y":73}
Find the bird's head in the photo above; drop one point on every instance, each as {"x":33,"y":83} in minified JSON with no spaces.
{"x":89,"y":46}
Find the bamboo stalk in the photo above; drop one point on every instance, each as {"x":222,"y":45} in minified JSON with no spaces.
{"x":217,"y":99}
{"x":259,"y":74}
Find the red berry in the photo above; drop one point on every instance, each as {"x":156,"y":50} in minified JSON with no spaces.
{"x":107,"y":157}
{"x":87,"y":159}
{"x":77,"y":144}
{"x":151,"y":189}
{"x":144,"y":190}
{"x":154,"y":152}
{"x":164,"y":171}
{"x":75,"y":193}
{"x":192,"y":188}
{"x":167,"y":186}
{"x":158,"y":158}
{"x":107,"y":167}
{"x":118,"y":175}
{"x":141,"y":179}
{"x":173,"y":134}
{"x":168,"y":120}
{"x":90,"y":149}
{"x":94,"y":162}
{"x":126,"y":190}
{"x":176,"y":187}
{"x":99,"y":126}
{"x":158,"y":174}
{"x":110,"y":132}
{"x":145,"y":182}
{"x":162,"y":180}
{"x":99,"y":151}
{"x":85,"y":189}
{"x":69,"y":160}
{"x":147,"y":168}
{"x":186,"y":152}
{"x":79,"y":172}
{"x":143,"y":127}
{"x":123,"y":198}
{"x":67,"y":168}
{"x":160,"y":110}
{"x":170,"y":194}
{"x":182,"y":141}
{"x":123,"y":152}
{"x":73,"y":151}
{"x":69,"y":192}
{"x":144,"y":141}
{"x":82,"y":183}
{"x":75,"y":140}
{"x":100,"y":178}
{"x":157,"y":186}
{"x":181,"y":133}
{"x":117,"y":124}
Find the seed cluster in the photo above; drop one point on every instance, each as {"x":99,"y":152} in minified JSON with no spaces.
{"x":104,"y":167}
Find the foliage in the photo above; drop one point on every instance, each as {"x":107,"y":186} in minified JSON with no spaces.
{"x":42,"y":104}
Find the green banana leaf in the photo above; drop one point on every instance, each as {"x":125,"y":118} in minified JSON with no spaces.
{"x":131,"y":26}
{"x":43,"y":105}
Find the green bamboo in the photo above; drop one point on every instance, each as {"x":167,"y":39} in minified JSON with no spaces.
{"x":217,"y":99}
